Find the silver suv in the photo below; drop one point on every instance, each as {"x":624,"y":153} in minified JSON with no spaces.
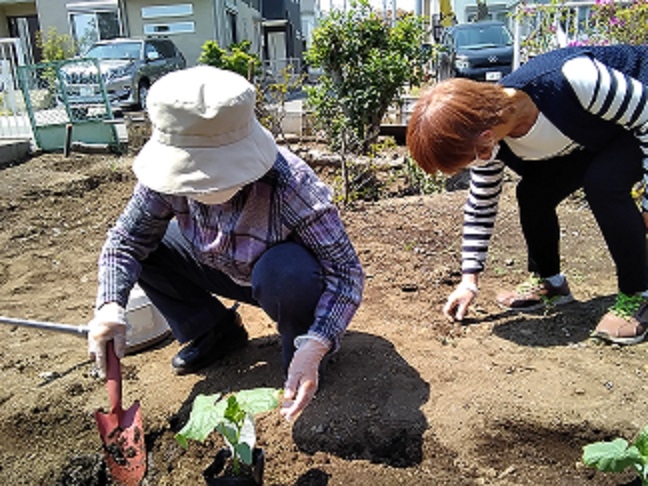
{"x":128,"y":69}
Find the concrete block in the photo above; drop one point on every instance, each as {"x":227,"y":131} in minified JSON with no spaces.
{"x":13,"y":151}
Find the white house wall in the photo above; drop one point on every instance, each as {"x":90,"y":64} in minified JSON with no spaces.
{"x":52,"y":13}
{"x":249,"y":25}
{"x":208,"y":16}
{"x":189,"y":43}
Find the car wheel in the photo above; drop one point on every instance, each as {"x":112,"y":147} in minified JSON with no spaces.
{"x":142,"y":94}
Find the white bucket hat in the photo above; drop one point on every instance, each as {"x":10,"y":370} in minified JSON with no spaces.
{"x":205,"y":136}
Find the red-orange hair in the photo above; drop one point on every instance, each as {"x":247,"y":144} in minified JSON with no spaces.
{"x":447,"y":120}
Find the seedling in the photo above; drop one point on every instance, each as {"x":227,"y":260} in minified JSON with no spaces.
{"x":617,"y":455}
{"x":233,"y":417}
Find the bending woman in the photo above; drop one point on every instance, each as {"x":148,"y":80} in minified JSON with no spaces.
{"x":571,"y":118}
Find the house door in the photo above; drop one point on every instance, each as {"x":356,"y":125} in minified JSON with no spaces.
{"x":277,"y":51}
{"x":25,"y":29}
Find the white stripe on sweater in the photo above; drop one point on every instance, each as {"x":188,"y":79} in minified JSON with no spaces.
{"x":592,"y":82}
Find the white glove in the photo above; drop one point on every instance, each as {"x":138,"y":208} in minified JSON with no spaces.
{"x":109,"y":323}
{"x":303,"y":374}
{"x":460,"y":300}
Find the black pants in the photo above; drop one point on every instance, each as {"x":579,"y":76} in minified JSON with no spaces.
{"x":607,"y":177}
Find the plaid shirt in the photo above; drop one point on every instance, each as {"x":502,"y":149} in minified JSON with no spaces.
{"x":289,"y":203}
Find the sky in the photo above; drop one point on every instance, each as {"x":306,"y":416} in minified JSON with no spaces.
{"x":408,"y":5}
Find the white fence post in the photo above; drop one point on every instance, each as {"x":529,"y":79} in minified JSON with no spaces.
{"x":561,"y":38}
{"x":14,"y":120}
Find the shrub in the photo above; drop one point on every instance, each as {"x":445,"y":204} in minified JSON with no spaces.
{"x":607,"y":22}
{"x":237,"y":58}
{"x":621,"y":22}
{"x":55,"y":46}
{"x":366,"y":64}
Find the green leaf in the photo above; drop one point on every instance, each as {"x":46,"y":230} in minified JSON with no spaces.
{"x":234,"y":413}
{"x":642,"y":443}
{"x":244,"y":453}
{"x":247,"y":434}
{"x":258,"y":400}
{"x":229,"y":432}
{"x":614,"y":456}
{"x":233,"y":417}
{"x":206,"y":413}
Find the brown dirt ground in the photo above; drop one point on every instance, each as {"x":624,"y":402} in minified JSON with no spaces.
{"x":504,"y":399}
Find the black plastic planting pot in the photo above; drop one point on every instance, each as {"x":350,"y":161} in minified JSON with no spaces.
{"x":218,"y":473}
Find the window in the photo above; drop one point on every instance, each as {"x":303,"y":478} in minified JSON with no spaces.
{"x":89,"y":26}
{"x":119,"y":50}
{"x":176,"y":10}
{"x":165,"y":48}
{"x":231,"y":27}
{"x":150,"y":52}
{"x":170,"y":28}
{"x":165,"y":27}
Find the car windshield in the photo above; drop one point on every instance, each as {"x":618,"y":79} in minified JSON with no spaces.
{"x":118,"y":50}
{"x":480,"y":37}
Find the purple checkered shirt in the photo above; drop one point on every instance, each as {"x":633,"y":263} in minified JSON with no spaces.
{"x":289,"y":203}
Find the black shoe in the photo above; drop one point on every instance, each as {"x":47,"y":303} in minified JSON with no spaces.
{"x":227,"y":336}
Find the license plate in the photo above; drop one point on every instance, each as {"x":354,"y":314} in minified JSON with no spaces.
{"x":493,"y":76}
{"x":86,"y":91}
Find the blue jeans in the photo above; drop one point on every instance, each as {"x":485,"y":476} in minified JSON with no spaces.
{"x":287,"y":283}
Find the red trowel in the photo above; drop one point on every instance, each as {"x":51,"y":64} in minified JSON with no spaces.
{"x":121,"y":430}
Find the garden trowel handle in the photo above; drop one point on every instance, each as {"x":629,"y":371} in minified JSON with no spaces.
{"x":48,"y":326}
{"x":113,"y":379}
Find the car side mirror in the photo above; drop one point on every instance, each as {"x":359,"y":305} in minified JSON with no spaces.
{"x":152,"y":56}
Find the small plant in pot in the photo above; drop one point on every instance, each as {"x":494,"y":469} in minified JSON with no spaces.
{"x":240,"y":463}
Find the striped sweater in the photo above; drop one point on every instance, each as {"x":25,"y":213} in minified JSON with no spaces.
{"x":589,"y":94}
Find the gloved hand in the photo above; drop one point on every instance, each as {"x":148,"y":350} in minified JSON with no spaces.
{"x":460,"y":299}
{"x":303,"y":374}
{"x":109,"y":323}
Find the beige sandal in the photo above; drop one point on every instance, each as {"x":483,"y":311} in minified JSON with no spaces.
{"x":619,"y":330}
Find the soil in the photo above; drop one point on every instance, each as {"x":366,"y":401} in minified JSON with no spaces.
{"x":502,"y":399}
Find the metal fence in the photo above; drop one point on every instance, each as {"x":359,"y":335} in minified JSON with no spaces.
{"x":14,"y":119}
{"x":568,"y":22}
{"x":67,"y":102}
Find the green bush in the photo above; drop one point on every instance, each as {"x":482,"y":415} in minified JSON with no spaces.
{"x":622,"y":22}
{"x":55,"y":46}
{"x":237,"y":58}
{"x":367,"y":64}
{"x":608,"y":22}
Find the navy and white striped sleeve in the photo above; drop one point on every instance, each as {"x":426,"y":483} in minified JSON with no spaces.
{"x":480,"y":211}
{"x":613,"y":96}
